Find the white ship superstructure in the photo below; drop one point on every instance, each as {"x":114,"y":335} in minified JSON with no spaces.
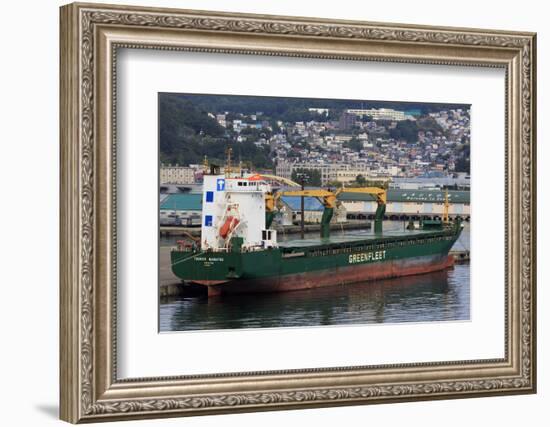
{"x":235,"y":207}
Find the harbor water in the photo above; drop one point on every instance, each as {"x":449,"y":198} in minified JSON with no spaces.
{"x":439,"y":296}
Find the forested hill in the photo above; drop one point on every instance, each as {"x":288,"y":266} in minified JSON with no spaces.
{"x":187,"y":133}
{"x":278,"y":107}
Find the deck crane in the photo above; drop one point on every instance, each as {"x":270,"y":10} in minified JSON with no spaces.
{"x":276,"y":178}
{"x":379,"y":194}
{"x":271,"y":206}
{"x":327,"y":198}
{"x":271,"y":202}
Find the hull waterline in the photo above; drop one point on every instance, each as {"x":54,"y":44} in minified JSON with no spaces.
{"x":334,"y":277}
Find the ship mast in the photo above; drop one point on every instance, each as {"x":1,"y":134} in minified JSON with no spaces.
{"x":228,"y":162}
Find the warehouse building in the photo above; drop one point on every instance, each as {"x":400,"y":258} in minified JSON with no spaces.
{"x":405,"y":204}
{"x":183,"y":209}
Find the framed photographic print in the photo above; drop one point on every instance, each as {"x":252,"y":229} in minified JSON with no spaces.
{"x":266,"y":212}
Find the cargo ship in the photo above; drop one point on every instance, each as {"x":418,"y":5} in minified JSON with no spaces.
{"x":238,"y":251}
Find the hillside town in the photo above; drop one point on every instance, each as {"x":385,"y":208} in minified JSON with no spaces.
{"x":342,"y":147}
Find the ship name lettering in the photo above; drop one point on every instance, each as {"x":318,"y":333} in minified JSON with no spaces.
{"x":367,"y":256}
{"x":201,"y":259}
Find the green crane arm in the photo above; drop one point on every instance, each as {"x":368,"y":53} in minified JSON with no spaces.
{"x":327,"y":198}
{"x":381,"y":197}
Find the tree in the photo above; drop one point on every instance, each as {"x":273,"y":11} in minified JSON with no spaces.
{"x":462,"y":164}
{"x":361,"y":180}
{"x":335,"y":184}
{"x":187,"y":134}
{"x":313,"y":176}
{"x":429,"y":124}
{"x":353,"y":144}
{"x":405,"y":129}
{"x":256,"y":133}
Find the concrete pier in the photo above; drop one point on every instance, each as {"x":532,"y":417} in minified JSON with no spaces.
{"x":169,"y":284}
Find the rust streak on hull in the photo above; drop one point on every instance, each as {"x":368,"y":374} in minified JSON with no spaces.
{"x":332,"y":277}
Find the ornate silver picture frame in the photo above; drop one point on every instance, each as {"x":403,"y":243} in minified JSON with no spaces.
{"x":91,"y":35}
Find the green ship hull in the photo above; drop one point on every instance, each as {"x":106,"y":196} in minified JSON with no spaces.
{"x":303,"y":264}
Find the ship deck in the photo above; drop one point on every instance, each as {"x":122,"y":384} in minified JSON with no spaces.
{"x":350,"y":238}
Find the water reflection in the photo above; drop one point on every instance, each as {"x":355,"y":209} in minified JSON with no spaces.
{"x":439,"y":296}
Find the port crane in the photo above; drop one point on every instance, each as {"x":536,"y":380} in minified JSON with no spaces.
{"x":379,"y":195}
{"x":330,"y":201}
{"x":271,"y":202}
{"x":327,"y":198}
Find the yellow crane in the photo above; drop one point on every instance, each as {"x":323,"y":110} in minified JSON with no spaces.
{"x":379,"y":194}
{"x":271,"y":202}
{"x":446,"y":207}
{"x":276,"y":178}
{"x":327,"y":198}
{"x":271,"y":206}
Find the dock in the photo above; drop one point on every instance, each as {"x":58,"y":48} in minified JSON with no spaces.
{"x":169,"y":284}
